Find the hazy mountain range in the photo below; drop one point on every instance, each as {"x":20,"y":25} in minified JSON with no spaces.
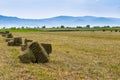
{"x":70,"y":21}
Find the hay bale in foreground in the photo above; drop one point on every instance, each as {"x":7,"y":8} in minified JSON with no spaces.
{"x":39,"y":52}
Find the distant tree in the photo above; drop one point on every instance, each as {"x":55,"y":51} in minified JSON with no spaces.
{"x":35,"y":27}
{"x":22,"y":27}
{"x":53,"y":27}
{"x":87,"y":26}
{"x":4,"y":27}
{"x":58,"y":27}
{"x":103,"y":30}
{"x":27,"y":27}
{"x":78,"y":26}
{"x":38,"y":27}
{"x":43,"y":26}
{"x":13,"y":28}
{"x":68,"y":27}
{"x":18,"y":28}
{"x":62,"y":26}
{"x":96,"y":27}
{"x":116,"y":30}
{"x":106,"y":27}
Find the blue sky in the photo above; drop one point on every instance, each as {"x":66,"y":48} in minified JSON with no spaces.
{"x":37,"y":9}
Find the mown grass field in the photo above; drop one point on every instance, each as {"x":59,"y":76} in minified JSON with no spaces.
{"x":75,"y":56}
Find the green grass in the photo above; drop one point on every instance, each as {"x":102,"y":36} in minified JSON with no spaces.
{"x":21,"y":30}
{"x":60,"y":29}
{"x":75,"y":56}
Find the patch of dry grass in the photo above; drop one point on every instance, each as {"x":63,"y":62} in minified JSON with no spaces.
{"x":75,"y":56}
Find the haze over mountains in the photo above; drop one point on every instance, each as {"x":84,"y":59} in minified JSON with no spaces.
{"x":7,"y":21}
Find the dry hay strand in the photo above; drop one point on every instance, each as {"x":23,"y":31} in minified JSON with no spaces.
{"x":27,"y":56}
{"x":39,"y":52}
{"x":47,"y":47}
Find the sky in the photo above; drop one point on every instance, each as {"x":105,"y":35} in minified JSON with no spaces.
{"x":39,"y":9}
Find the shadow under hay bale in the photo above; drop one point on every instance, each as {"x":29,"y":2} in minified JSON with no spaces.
{"x":39,"y":52}
{"x":27,"y":57}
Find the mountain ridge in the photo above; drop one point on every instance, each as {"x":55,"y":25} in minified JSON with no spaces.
{"x":70,"y":21}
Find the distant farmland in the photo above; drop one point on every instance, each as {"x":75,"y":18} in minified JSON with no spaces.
{"x":77,"y":55}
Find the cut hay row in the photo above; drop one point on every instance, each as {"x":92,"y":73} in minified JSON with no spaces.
{"x":34,"y":52}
